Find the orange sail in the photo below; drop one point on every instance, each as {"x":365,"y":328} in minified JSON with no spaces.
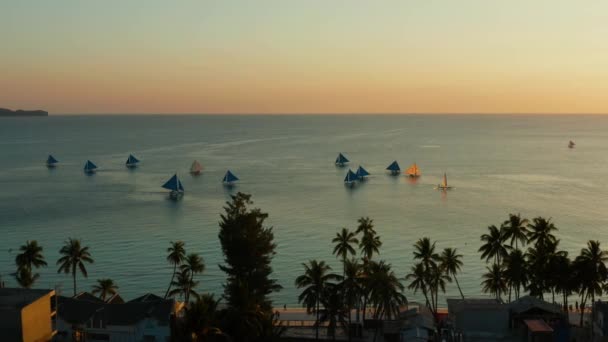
{"x":413,"y":171}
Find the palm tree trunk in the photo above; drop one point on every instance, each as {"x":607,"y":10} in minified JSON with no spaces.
{"x":458,"y":285}
{"x":582,"y":309}
{"x":74,"y":278}
{"x":317,"y":330}
{"x":171,"y":282}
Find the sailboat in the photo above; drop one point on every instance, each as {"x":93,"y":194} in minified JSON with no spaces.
{"x":89,"y":167}
{"x":229,"y":178}
{"x":341,"y":160}
{"x":361,"y":173}
{"x":394,"y":168}
{"x":571,"y":144}
{"x":444,"y":184}
{"x":175,"y":185}
{"x":196,"y":168}
{"x":413,"y":171}
{"x":350,"y":178}
{"x":51,"y":161}
{"x":132,"y":161}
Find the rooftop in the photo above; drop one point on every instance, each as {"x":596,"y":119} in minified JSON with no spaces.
{"x":18,"y":298}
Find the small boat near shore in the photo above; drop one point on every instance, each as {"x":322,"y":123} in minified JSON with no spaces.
{"x":196,"y":168}
{"x":90,"y":167}
{"x":394,"y":168}
{"x":341,"y":160}
{"x":444,"y":184}
{"x":132,"y":161}
{"x":51,"y":161}
{"x":176,"y":187}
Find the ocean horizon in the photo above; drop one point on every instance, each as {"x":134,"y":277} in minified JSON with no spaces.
{"x":497,"y":163}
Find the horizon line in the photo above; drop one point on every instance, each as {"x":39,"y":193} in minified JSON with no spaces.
{"x":322,"y":114}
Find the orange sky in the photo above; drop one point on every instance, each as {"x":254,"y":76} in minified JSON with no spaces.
{"x":470,"y":56}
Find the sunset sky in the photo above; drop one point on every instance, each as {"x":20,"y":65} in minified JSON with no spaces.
{"x":325,"y":56}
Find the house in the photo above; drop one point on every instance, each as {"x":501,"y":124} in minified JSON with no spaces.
{"x":538,"y":320}
{"x":27,"y":315}
{"x":478,"y":319}
{"x":87,"y":318}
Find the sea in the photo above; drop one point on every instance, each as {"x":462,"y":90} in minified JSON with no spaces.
{"x":497,"y":164}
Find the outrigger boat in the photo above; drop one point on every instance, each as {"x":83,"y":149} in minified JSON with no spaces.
{"x":341,"y":160}
{"x":229,"y":178}
{"x":361,"y":173}
{"x":196,"y":168}
{"x":350,"y":178}
{"x":413,"y":171}
{"x":444,"y":184}
{"x":51,"y":161}
{"x":89,"y":167}
{"x":132,"y":161}
{"x":394,"y":168}
{"x":175,"y":185}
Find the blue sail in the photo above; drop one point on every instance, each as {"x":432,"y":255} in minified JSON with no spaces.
{"x":341,"y":159}
{"x":51,"y":160}
{"x":394,"y":167}
{"x":89,"y":166}
{"x":229,"y":177}
{"x":350,"y":177}
{"x":132,"y":160}
{"x":361,"y":172}
{"x":173,"y":184}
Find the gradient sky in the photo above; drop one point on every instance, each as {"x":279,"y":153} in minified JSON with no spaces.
{"x":312,"y":56}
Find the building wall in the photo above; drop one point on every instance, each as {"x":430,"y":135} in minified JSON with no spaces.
{"x":473,"y":322}
{"x":36,"y":320}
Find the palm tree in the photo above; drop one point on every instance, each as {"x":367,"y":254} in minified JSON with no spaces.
{"x":515,"y":271}
{"x":30,"y":256}
{"x":515,"y":229}
{"x":593,"y":261}
{"x":424,"y":250}
{"x":344,"y":241}
{"x":193,"y":264}
{"x":494,"y":246}
{"x":177,"y":254}
{"x":200,"y":319}
{"x":351,"y":287}
{"x":25,"y":278}
{"x":494,"y":281}
{"x":386,"y":290}
{"x":370,"y":244}
{"x":314,"y":280}
{"x":334,"y":311}
{"x":366,"y":226}
{"x":419,"y":280}
{"x":451,"y":262}
{"x":541,"y":231}
{"x":105,"y":287}
{"x":183,"y":285}
{"x":74,"y":257}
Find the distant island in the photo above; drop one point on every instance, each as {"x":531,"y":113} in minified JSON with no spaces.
{"x":19,"y":112}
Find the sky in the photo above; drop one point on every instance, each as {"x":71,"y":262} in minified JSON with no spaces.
{"x":309,"y":56}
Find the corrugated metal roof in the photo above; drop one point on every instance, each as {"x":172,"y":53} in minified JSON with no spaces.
{"x":538,"y":326}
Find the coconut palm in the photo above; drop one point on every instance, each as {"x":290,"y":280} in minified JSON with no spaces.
{"x":314,"y":280}
{"x":540,"y":231}
{"x":515,"y":229}
{"x":494,"y":281}
{"x":193,"y":264}
{"x":351,"y":286}
{"x":494,"y":245}
{"x":451,"y":262}
{"x":200,"y":319}
{"x":176,"y":255}
{"x":183,"y":285}
{"x":386,"y":290}
{"x":344,"y":241}
{"x":105,"y":287}
{"x":25,"y":278}
{"x":424,"y":251}
{"x":592,"y":262}
{"x":515,"y":271}
{"x":366,"y":226}
{"x":74,"y":257}
{"x":30,"y":256}
{"x":370,"y":244}
{"x":419,"y":279}
{"x":334,"y":310}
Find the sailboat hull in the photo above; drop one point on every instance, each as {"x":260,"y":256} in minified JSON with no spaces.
{"x":89,"y":172}
{"x":51,"y":166}
{"x":130,"y":166}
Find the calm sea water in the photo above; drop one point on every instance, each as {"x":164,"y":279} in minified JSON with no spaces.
{"x":497,"y":164}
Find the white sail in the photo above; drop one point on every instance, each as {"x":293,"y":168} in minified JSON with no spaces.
{"x":196,"y":167}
